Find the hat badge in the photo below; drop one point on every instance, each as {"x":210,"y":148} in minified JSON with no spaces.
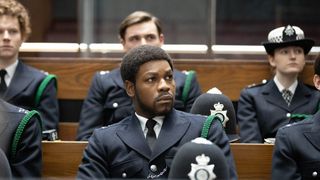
{"x":220,"y":113}
{"x":289,"y":33}
{"x":202,"y":171}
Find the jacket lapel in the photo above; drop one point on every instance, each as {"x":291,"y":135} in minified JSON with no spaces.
{"x":133,"y":136}
{"x":314,"y":134}
{"x":20,"y":81}
{"x":272,"y":95}
{"x":170,"y":134}
{"x":301,"y":97}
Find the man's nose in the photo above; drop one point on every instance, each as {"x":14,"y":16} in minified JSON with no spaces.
{"x":164,"y":85}
{"x":6,"y":35}
{"x":143,"y":41}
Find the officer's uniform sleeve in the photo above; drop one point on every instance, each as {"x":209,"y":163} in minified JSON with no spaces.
{"x":218,"y":136}
{"x":94,"y":165}
{"x":283,"y":164}
{"x":247,"y":119}
{"x":28,"y":160}
{"x":48,"y":106}
{"x":194,"y":92}
{"x":91,"y":115}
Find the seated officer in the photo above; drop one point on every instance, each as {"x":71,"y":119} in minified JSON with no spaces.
{"x":20,"y":140}
{"x":143,"y":145}
{"x":107,"y":101}
{"x":297,"y":148}
{"x":20,"y":84}
{"x":264,"y":108}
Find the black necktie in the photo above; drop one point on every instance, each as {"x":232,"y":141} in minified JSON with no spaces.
{"x":287,"y":96}
{"x":3,"y":85}
{"x":151,"y":135}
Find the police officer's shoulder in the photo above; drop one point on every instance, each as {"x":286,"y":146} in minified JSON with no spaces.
{"x":311,"y":86}
{"x":262,"y":83}
{"x":297,"y":124}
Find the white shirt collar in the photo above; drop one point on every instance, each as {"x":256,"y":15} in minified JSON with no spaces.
{"x":10,"y":72}
{"x":157,"y":127}
{"x":292,"y":88}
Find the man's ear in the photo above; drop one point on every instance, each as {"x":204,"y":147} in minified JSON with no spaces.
{"x":129,"y":88}
{"x":316,"y":81}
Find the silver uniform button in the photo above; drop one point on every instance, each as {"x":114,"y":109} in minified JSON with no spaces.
{"x":115,"y":105}
{"x":153,"y":168}
{"x":124,"y":175}
{"x":288,"y":115}
{"x":315,"y":174}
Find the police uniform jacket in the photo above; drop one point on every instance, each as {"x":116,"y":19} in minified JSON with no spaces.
{"x":121,"y":151}
{"x":27,"y":162}
{"x":262,"y":110}
{"x":297,"y":150}
{"x":22,"y":93}
{"x":107,"y":101}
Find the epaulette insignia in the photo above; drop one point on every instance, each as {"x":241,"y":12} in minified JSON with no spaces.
{"x":44,"y":72}
{"x":104,"y":72}
{"x":23,"y":110}
{"x":263,"y":82}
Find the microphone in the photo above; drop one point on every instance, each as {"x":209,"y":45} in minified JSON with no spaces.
{"x":199,"y":159}
{"x":221,"y":106}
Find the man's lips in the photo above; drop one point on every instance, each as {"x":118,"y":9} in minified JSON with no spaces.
{"x":167,"y":97}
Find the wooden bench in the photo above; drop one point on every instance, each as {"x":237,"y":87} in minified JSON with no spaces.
{"x":62,"y":158}
{"x":230,"y":76}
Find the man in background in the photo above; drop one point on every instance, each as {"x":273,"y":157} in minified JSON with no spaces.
{"x":20,"y":84}
{"x":107,"y":101}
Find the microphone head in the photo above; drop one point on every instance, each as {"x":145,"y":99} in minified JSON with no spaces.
{"x":199,"y":159}
{"x":221,"y":106}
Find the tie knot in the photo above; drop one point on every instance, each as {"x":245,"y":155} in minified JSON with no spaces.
{"x":3,"y":72}
{"x":150,"y":124}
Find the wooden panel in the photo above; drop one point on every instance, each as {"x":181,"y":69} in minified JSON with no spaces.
{"x":68,"y":131}
{"x":230,"y":76}
{"x":253,"y":161}
{"x":62,"y":158}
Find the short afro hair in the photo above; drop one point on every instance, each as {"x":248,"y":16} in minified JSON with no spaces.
{"x":138,"y":56}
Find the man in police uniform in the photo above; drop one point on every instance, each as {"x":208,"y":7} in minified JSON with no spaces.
{"x":20,"y":84}
{"x":107,"y":101}
{"x":263,"y":108}
{"x":297,"y":148}
{"x":20,"y":140}
{"x":125,"y":149}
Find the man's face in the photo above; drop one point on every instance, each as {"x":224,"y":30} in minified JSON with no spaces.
{"x":140,"y":34}
{"x":154,"y":91}
{"x":288,"y":60}
{"x":10,"y":38}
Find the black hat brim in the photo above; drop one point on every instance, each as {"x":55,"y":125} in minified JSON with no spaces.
{"x":306,"y":44}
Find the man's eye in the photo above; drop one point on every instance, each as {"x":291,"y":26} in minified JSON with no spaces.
{"x":135,"y":38}
{"x":151,"y":79}
{"x":169,"y":77}
{"x":151,"y":37}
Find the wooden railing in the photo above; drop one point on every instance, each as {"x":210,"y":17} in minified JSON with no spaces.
{"x":62,"y":158}
{"x":230,"y":76}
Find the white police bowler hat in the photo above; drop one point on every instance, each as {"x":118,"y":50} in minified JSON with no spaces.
{"x":287,"y":36}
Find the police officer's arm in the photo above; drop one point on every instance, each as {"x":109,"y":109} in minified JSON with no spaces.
{"x":94,"y":160}
{"x":48,"y":106}
{"x":194,"y":92}
{"x":247,"y":118}
{"x":218,"y":136}
{"x":28,"y":159}
{"x":283,"y":164}
{"x":91,"y":115}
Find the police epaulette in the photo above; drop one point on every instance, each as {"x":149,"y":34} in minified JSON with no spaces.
{"x":263,"y":82}
{"x":103,"y":72}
